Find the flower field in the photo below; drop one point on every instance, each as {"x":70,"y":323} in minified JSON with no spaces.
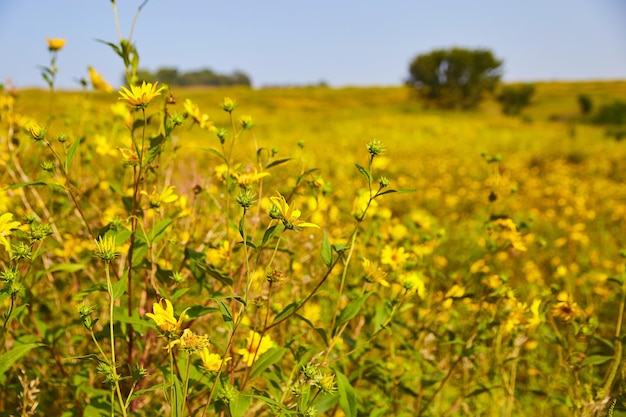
{"x":308,"y":251}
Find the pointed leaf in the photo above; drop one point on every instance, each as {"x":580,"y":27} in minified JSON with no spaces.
{"x":351,"y":310}
{"x":226,"y":315}
{"x":10,"y":357}
{"x":119,"y":288}
{"x":347,"y":395}
{"x":363,"y":171}
{"x":269,"y":233}
{"x":216,"y":153}
{"x":70,"y":154}
{"x":327,"y":251}
{"x":266,"y":360}
{"x":240,"y":404}
{"x":277,"y":163}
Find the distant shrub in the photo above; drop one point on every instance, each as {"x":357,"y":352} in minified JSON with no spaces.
{"x":585,"y":104}
{"x":611,"y":114}
{"x":513,"y":98}
{"x":203,"y":77}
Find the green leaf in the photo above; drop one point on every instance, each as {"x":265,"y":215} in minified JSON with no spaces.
{"x":402,"y":190}
{"x":119,"y":288}
{"x":277,"y":163}
{"x":327,"y":251}
{"x":320,"y":331}
{"x":156,"y":233}
{"x":597,"y":360}
{"x":269,"y":233}
{"x":347,"y":396}
{"x":71,"y":151}
{"x":32,"y":183}
{"x":226,"y":315}
{"x":198,"y":311}
{"x":266,"y":360}
{"x":18,"y":350}
{"x":363,"y":171}
{"x":239,"y":405}
{"x":241,"y":226}
{"x":66,"y":267}
{"x":286,"y":311}
{"x":216,"y":153}
{"x":351,"y":310}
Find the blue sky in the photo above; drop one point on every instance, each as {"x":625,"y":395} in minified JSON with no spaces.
{"x":341,"y":42}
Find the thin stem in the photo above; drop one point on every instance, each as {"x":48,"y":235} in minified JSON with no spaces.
{"x":112,"y":336}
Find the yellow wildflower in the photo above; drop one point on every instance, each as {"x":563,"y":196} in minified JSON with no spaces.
{"x":6,"y":224}
{"x":98,"y":82}
{"x":218,"y":255}
{"x":374,"y":274}
{"x":202,"y":119}
{"x":255,"y":347}
{"x":165,"y":196}
{"x":565,"y":307}
{"x":55,"y":44}
{"x":228,"y":105}
{"x":394,"y":257}
{"x":289,"y":216}
{"x":121,"y":111}
{"x":212,"y":362}
{"x":164,"y":317}
{"x":413,"y":282}
{"x":129,"y":156}
{"x":456,"y":291}
{"x":535,"y":320}
{"x":103,"y":146}
{"x":191,"y":342}
{"x":246,"y":178}
{"x":141,"y":96}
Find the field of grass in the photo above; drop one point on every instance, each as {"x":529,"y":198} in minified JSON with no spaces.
{"x":339,"y":252}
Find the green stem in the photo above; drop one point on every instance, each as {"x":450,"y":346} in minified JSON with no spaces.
{"x":112,"y":336}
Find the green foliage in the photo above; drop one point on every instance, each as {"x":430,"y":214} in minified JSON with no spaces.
{"x":611,"y":114}
{"x":203,"y":77}
{"x":454,"y":78}
{"x":585,"y":104}
{"x":514,"y":98}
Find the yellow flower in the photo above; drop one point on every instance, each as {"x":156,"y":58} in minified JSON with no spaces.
{"x":156,"y":199}
{"x":190,"y":342}
{"x":141,"y":96}
{"x":36,"y":131}
{"x":202,"y":119}
{"x":129,"y":156}
{"x":394,"y":257}
{"x":228,"y":105}
{"x":565,"y":307}
{"x":246,"y":178}
{"x":212,"y":362}
{"x":536,"y":319}
{"x":413,"y":282}
{"x":456,"y":291}
{"x":98,"y":82}
{"x":55,"y":44}
{"x":103,"y":146}
{"x":6,"y":224}
{"x":255,"y":347}
{"x":288,"y":215}
{"x":121,"y":111}
{"x":216,"y":256}
{"x":164,"y":317}
{"x":374,"y":274}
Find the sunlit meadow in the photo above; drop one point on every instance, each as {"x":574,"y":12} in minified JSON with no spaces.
{"x":306,"y":251}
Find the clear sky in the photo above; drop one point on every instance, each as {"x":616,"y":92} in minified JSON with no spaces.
{"x":341,"y":42}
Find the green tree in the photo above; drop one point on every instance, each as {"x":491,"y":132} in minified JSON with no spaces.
{"x":513,"y":98}
{"x":454,"y":78}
